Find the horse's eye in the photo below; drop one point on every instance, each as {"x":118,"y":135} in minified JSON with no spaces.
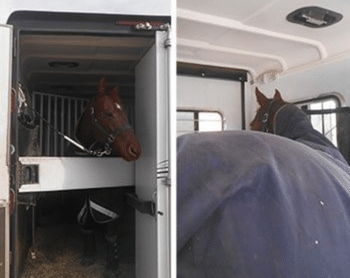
{"x":118,"y":106}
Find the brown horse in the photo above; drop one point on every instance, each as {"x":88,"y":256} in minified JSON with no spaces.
{"x":264,"y":117}
{"x":104,"y":129}
{"x":104,"y":126}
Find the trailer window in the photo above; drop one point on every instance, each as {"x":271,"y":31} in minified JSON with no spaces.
{"x":195,"y":120}
{"x":322,"y":117}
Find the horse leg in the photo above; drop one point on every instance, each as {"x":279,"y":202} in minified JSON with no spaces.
{"x":112,"y":236}
{"x":111,"y":270}
{"x":88,"y":227}
{"x":89,"y":254}
{"x":108,"y":206}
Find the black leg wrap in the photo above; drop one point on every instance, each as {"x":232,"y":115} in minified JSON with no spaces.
{"x":112,"y":257}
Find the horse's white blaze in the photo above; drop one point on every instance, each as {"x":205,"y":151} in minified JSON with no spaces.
{"x":118,"y":106}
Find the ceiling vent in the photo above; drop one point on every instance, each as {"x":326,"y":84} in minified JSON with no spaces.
{"x":314,"y":17}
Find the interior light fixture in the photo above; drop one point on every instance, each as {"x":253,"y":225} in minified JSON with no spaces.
{"x":63,"y":64}
{"x":314,"y":17}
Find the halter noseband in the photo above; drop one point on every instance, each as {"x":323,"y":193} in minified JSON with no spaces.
{"x":111,"y":136}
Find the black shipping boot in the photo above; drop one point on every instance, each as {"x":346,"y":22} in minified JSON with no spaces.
{"x":111,"y":270}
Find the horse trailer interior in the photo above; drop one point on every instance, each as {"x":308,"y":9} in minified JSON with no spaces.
{"x":58,"y":60}
{"x":301,"y":49}
{"x":202,"y":57}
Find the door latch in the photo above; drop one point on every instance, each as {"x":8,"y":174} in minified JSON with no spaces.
{"x":29,"y":174}
{"x":148,"y":207}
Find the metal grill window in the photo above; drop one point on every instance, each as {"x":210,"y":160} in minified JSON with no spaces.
{"x":194,"y":120}
{"x":322,"y":116}
{"x":63,"y":113}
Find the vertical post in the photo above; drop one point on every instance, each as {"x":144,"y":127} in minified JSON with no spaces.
{"x":196,"y":120}
{"x":243,"y":103}
{"x":48,"y":144}
{"x":6,"y":38}
{"x":55,"y":136}
{"x":63,"y":122}
{"x":42,"y":138}
{"x":69,"y":118}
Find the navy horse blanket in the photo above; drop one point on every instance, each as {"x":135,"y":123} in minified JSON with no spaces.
{"x":252,"y":204}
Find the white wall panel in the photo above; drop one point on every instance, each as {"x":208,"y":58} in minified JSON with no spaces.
{"x":210,"y":93}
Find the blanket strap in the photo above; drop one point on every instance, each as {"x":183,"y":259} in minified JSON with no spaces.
{"x":89,"y":206}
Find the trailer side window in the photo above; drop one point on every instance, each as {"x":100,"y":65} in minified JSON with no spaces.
{"x":322,"y":115}
{"x":196,"y":120}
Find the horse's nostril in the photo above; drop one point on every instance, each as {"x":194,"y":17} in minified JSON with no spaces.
{"x":133,"y":150}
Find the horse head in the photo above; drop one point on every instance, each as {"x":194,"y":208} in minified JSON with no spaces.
{"x":264,"y":118}
{"x":104,"y":124}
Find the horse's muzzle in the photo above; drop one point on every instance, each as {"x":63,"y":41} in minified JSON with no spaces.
{"x":134,"y":151}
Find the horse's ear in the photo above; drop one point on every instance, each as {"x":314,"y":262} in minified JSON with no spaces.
{"x":262,"y":100}
{"x":115,"y":94}
{"x":102,"y":86}
{"x":277,"y":95}
{"x":116,"y":90}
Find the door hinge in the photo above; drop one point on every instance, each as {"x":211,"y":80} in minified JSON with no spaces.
{"x":152,"y":26}
{"x":145,"y":25}
{"x":148,"y":207}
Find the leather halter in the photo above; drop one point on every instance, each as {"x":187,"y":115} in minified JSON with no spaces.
{"x":111,"y":135}
{"x":268,"y":114}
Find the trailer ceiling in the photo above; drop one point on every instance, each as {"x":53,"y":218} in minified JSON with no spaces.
{"x":58,"y":63}
{"x":68,"y":53}
{"x":256,"y":35}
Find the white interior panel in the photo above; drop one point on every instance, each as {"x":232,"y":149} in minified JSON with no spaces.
{"x":197,"y":92}
{"x":69,"y":173}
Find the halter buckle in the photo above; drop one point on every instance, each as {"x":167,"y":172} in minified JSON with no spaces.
{"x":265,"y":117}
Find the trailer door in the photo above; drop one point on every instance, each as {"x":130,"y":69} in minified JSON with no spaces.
{"x":153,"y":246}
{"x":5,"y":93}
